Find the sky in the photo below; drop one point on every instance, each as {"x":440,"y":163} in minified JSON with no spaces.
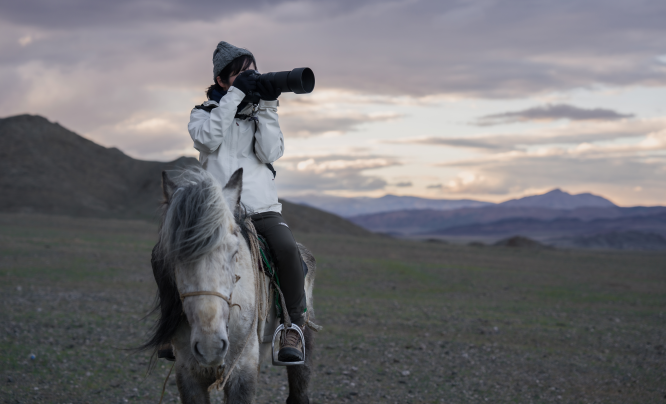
{"x":486,"y":99}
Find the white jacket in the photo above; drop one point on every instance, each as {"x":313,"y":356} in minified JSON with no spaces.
{"x":225,"y":144}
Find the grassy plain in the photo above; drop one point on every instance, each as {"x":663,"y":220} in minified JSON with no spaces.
{"x":405,"y":321}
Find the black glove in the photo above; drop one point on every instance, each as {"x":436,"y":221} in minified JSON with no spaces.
{"x":246,"y":81}
{"x":268,"y":91}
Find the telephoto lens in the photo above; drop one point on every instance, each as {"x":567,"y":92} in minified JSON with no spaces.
{"x":301,"y":80}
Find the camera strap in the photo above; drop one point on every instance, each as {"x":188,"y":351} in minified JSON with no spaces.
{"x":252,"y":116}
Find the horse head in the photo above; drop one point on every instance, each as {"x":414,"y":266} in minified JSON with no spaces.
{"x":200,"y":238}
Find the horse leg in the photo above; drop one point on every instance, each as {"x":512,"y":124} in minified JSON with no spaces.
{"x":299,"y":376}
{"x":193,"y":388}
{"x":192,"y":385}
{"x":242,"y":386}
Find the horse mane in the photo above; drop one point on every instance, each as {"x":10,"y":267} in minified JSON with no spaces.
{"x":190,"y":229}
{"x":192,"y":217}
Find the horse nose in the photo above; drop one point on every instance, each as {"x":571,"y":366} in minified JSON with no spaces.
{"x":210,"y":352}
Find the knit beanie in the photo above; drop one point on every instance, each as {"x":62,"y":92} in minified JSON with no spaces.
{"x":224,"y":54}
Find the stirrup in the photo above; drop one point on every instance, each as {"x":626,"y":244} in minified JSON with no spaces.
{"x":281,"y":327}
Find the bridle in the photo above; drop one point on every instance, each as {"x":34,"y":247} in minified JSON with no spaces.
{"x":220,"y":295}
{"x":210,"y":293}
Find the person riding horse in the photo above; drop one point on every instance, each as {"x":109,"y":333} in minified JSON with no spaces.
{"x":231,"y":133}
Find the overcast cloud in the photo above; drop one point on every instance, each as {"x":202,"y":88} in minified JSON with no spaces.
{"x":482,"y":48}
{"x":572,"y":134}
{"x":126,"y":74}
{"x":551,"y":113}
{"x":332,"y":172}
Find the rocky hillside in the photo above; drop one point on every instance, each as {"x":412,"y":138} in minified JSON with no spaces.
{"x":46,"y":168}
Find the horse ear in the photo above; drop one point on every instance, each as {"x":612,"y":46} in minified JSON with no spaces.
{"x":232,"y":191}
{"x":168,"y":186}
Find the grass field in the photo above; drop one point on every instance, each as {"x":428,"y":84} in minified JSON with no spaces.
{"x":405,"y":321}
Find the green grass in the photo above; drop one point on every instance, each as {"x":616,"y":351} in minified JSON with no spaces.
{"x":468,"y":323}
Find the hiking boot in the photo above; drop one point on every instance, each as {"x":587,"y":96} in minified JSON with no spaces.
{"x":166,"y":352}
{"x":291,"y":347}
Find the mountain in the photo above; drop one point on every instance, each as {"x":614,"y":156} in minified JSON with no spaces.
{"x":563,"y":227}
{"x":348,"y":207}
{"x":351,"y":207}
{"x":558,"y":199}
{"x":45,"y":168}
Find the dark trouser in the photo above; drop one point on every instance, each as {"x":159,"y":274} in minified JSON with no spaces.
{"x":287,"y":258}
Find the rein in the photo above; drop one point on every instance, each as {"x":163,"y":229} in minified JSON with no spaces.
{"x":254,"y":252}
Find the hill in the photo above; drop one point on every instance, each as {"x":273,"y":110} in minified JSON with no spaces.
{"x":45,"y":168}
{"x":558,"y":199}
{"x":616,"y":240}
{"x":654,"y":222}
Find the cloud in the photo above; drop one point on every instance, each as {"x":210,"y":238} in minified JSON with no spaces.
{"x":619,"y":166}
{"x":552,"y":112}
{"x":331,"y":111}
{"x":91,"y":13}
{"x":654,"y":142}
{"x":304,"y":124}
{"x":403,"y":184}
{"x":571,"y":134}
{"x":434,"y":186}
{"x":110,"y":70}
{"x":421,"y":48}
{"x":91,"y":64}
{"x":512,"y":176}
{"x":331,"y":173}
{"x":479,"y":182}
{"x":651,"y":146}
{"x":148,"y":136}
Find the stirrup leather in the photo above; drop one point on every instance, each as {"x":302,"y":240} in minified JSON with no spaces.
{"x":280,"y":328}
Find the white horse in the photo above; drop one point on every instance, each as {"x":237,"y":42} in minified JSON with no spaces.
{"x":216,"y":308}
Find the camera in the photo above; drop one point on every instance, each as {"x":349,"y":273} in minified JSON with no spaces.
{"x":300,"y":80}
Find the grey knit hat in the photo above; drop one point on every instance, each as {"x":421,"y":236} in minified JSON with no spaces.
{"x":224,"y":54}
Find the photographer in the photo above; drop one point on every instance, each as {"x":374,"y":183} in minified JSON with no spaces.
{"x":230,"y":133}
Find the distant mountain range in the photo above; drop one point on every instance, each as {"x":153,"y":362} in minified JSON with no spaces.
{"x":501,"y":221}
{"x":45,"y":168}
{"x":555,"y":218}
{"x":350,"y":207}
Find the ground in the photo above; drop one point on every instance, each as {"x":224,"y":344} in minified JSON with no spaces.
{"x":404,"y":321}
